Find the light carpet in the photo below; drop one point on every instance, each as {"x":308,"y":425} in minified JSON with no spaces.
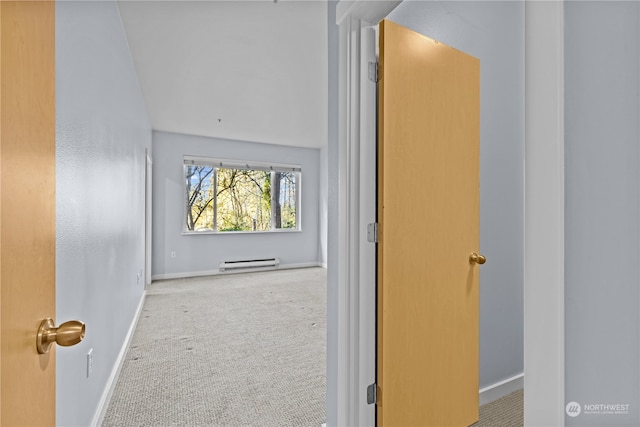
{"x":238,"y":350}
{"x":229,"y":350}
{"x":507,"y":411}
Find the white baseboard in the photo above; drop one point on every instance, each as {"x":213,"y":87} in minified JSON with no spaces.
{"x":501,"y":389}
{"x":184,"y":275}
{"x":301,"y":265}
{"x":101,"y":410}
{"x":188,"y":274}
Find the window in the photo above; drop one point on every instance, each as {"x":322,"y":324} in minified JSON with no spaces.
{"x":223,"y":196}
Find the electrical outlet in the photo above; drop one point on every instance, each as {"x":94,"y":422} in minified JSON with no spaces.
{"x":173,"y":254}
{"x":89,"y":362}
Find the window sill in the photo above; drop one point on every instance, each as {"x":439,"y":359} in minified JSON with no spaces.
{"x":222,"y":233}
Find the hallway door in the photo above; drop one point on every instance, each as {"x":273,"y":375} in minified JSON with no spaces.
{"x":428,"y":214}
{"x":27,"y":210}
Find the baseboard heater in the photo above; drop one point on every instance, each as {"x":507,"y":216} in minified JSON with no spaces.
{"x":249,"y":263}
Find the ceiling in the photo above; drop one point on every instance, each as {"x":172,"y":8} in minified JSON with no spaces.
{"x":242,"y":70}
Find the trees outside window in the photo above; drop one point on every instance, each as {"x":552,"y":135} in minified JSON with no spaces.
{"x":286,"y":199}
{"x":243,"y":200}
{"x":223,"y":197}
{"x":200,"y":195}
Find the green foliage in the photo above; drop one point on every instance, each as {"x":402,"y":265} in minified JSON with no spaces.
{"x":242,"y":204}
{"x":231,"y":228}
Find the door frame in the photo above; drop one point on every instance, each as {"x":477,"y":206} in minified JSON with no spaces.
{"x":356,"y":263}
{"x":544,"y":216}
{"x":148,"y":215}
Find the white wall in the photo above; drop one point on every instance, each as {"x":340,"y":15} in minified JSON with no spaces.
{"x":102,"y":133}
{"x":324,"y":204}
{"x":202,"y":253}
{"x":494,"y":33}
{"x":332,"y":217}
{"x":602,"y":187}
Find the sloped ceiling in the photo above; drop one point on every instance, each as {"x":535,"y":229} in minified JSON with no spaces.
{"x":244,"y":70}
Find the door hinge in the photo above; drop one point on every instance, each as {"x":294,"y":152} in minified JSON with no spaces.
{"x":372,"y":394}
{"x":373,"y":72}
{"x":372,"y":232}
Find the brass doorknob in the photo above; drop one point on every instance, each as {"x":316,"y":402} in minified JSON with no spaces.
{"x":67,"y":334}
{"x":474,"y":258}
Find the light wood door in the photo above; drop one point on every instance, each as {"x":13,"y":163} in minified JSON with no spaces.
{"x":27,"y":210}
{"x":428,"y":213}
